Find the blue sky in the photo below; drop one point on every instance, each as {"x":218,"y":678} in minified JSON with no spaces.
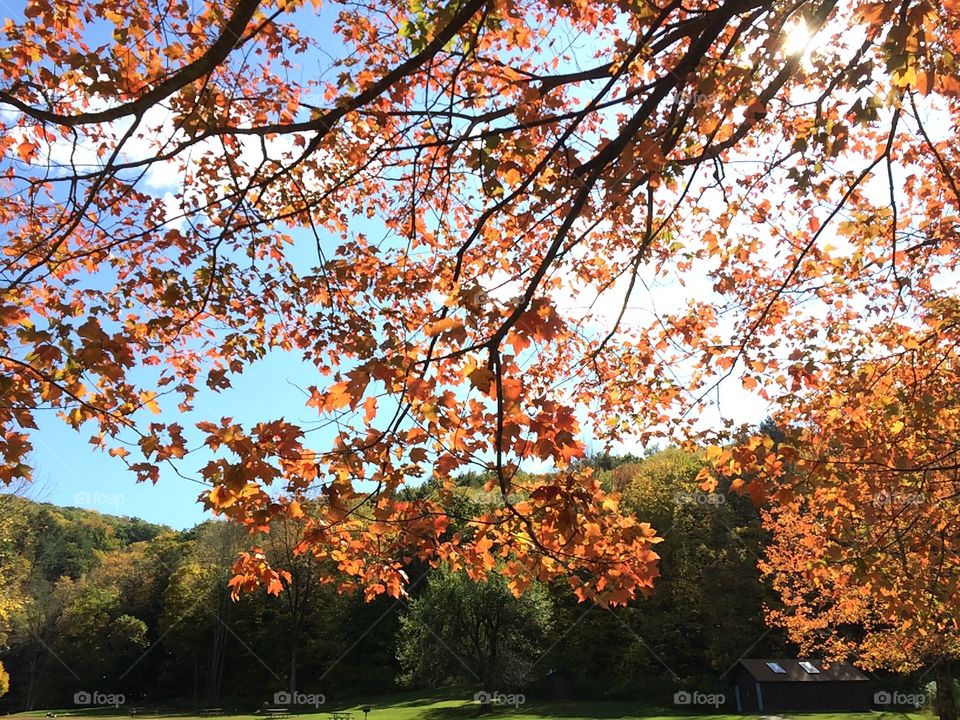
{"x":69,"y":471}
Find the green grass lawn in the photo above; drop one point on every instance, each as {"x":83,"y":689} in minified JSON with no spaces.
{"x":460,"y":706}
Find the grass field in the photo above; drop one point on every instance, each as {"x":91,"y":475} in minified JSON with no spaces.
{"x":460,"y":706}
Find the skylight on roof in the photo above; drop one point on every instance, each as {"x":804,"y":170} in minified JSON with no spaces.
{"x":809,"y":667}
{"x":776,"y":668}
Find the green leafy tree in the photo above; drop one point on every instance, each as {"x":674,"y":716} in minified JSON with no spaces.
{"x":14,"y":567}
{"x":710,"y":597}
{"x":708,"y":604}
{"x":460,"y":629}
{"x":37,"y":628}
{"x":300,"y":591}
{"x":217,"y":643}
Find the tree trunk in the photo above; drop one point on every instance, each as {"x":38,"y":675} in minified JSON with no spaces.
{"x":486,"y":704}
{"x":219,"y":647}
{"x":294,"y":648}
{"x":217,"y":659}
{"x":946,"y":692}
{"x":31,"y":699}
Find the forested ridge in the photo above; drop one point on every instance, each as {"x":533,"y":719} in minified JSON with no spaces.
{"x":116,"y":605}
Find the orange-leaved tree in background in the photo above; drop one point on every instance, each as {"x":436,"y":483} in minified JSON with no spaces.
{"x":862,"y":498}
{"x":489,"y":189}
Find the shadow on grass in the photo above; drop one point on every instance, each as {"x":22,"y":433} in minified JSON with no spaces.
{"x":112,"y":712}
{"x":458,"y":704}
{"x":572,"y":709}
{"x":436,"y":696}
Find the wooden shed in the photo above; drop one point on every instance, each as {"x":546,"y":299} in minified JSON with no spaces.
{"x":781,"y":685}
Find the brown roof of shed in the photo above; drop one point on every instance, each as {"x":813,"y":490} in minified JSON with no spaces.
{"x":793,"y":672}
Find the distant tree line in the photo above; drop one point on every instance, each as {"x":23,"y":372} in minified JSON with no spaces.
{"x":96,"y":603}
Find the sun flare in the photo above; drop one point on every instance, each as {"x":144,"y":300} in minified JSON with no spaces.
{"x":797,"y":38}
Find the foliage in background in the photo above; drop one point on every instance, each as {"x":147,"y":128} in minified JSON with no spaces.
{"x":151,"y":615}
{"x":472,"y":631}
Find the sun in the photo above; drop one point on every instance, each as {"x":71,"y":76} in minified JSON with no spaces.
{"x":797,"y":36}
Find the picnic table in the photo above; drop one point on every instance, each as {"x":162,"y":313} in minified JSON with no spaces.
{"x":341,"y":716}
{"x":135,"y":711}
{"x":277,"y":711}
{"x":210,"y":712}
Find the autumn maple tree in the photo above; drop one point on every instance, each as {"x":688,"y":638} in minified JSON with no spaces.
{"x":862,"y":500}
{"x":488,"y":189}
